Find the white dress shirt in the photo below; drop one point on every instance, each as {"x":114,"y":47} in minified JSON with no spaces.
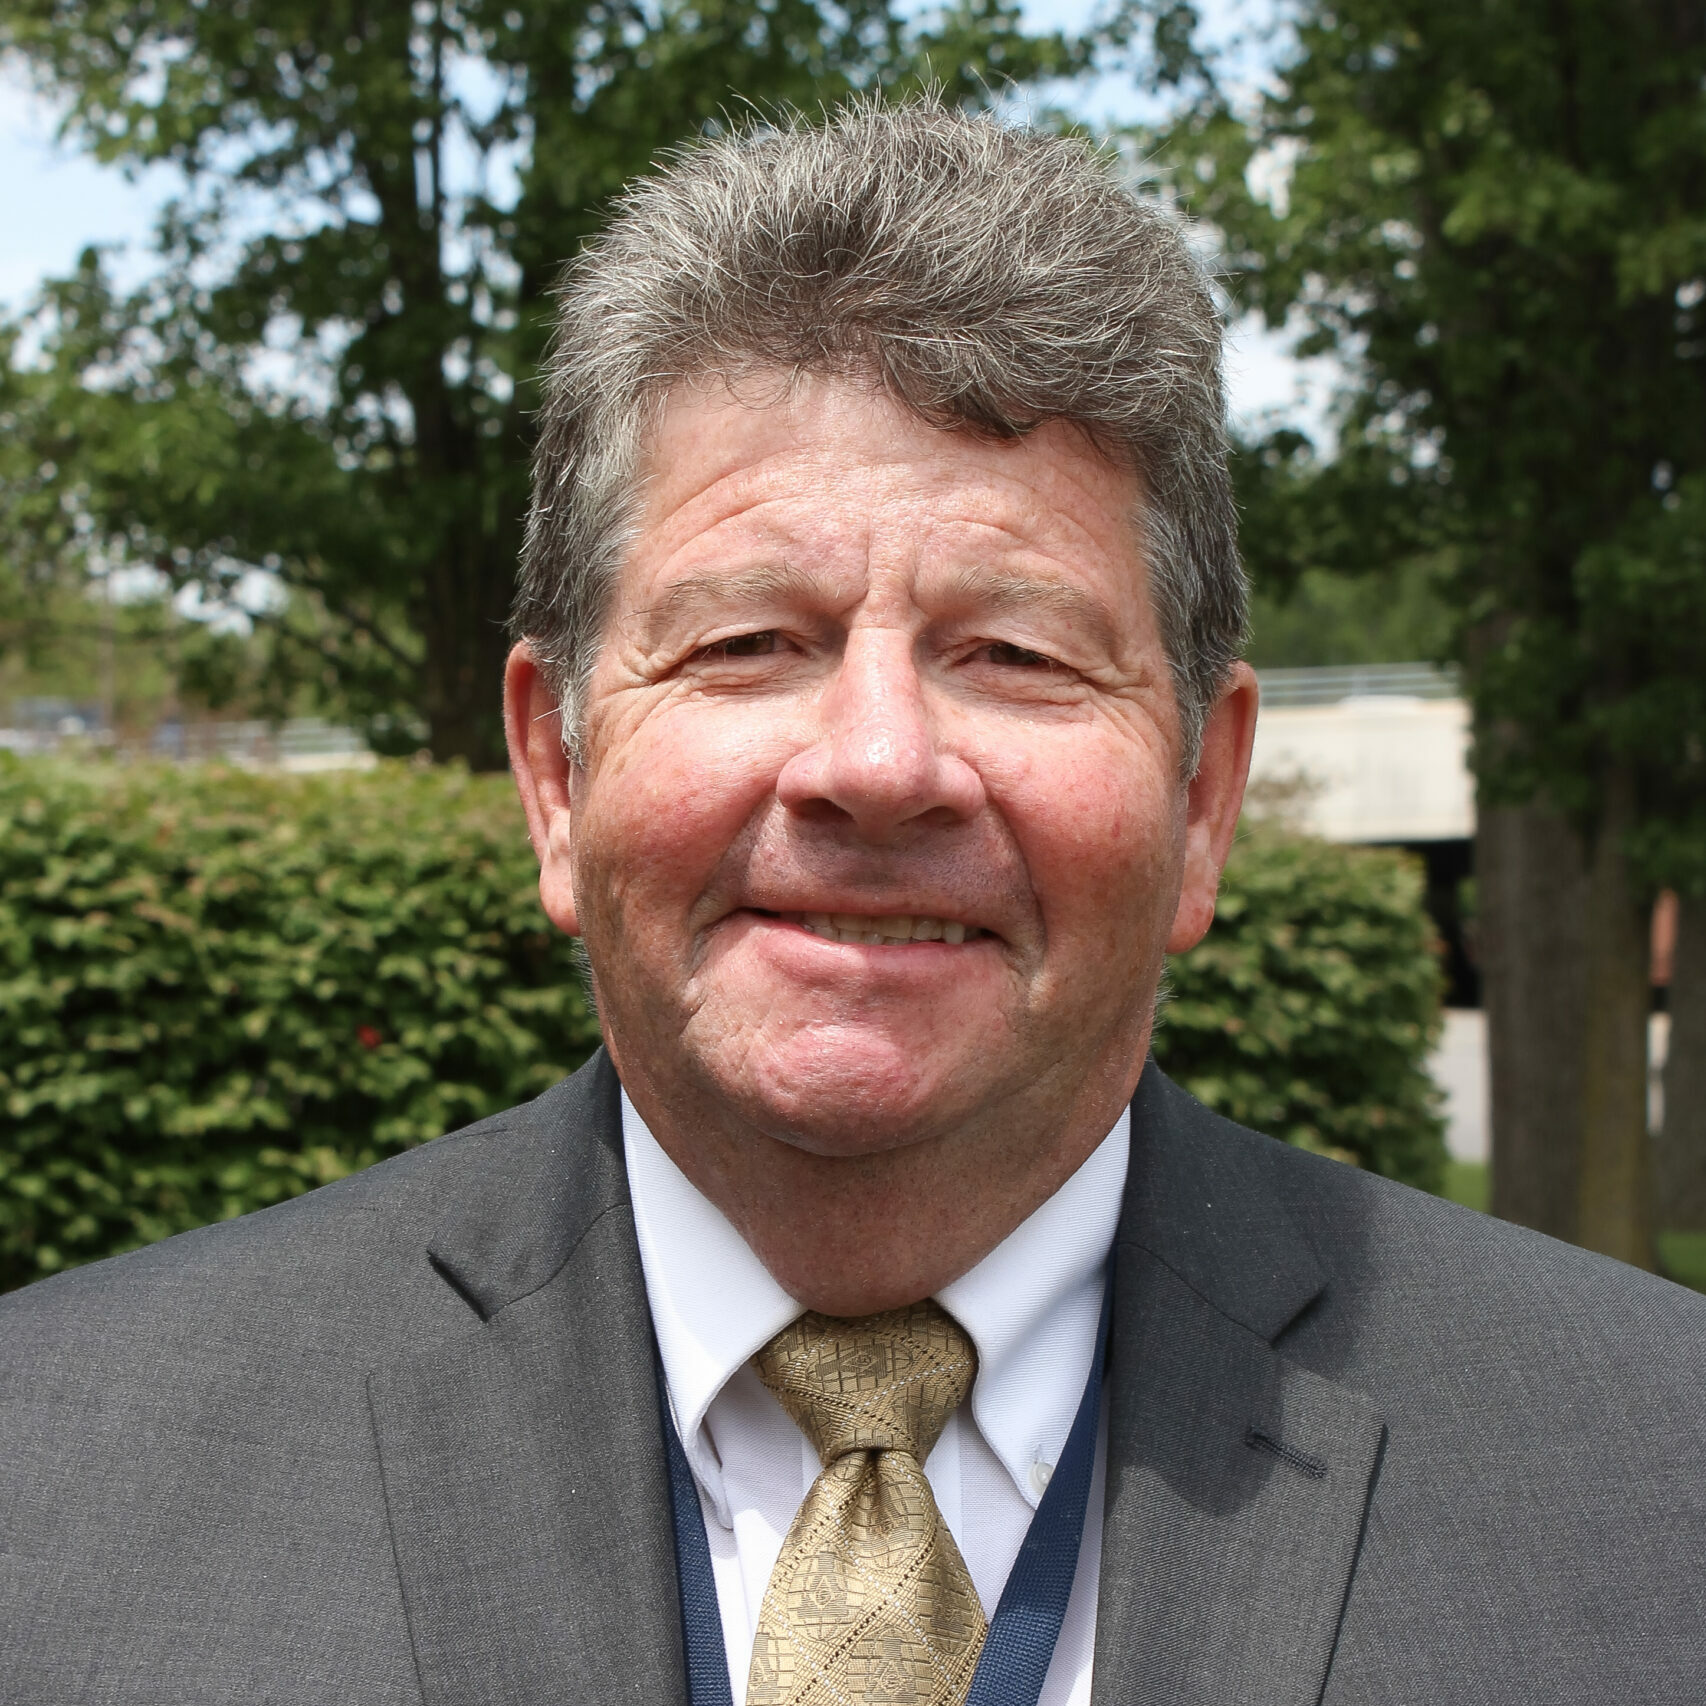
{"x":1031,"y":1307}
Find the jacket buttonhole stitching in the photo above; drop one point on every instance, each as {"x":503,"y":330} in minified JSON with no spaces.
{"x":1258,"y":1439}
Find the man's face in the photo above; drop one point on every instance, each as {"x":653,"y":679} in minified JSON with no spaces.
{"x":880,"y":823}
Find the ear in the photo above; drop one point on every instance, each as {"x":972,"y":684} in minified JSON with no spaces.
{"x":1213,"y":800}
{"x":542,"y":768}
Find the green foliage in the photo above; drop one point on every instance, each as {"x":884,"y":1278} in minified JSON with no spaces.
{"x":331,"y":376}
{"x":1327,"y":618}
{"x":1496,"y":215}
{"x":1309,"y":1008}
{"x":220,"y":989}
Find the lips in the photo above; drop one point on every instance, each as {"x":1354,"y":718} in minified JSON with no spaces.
{"x":885,"y":929}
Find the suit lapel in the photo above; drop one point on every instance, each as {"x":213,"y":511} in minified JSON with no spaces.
{"x":1237,"y":1480}
{"x":522,"y":1459}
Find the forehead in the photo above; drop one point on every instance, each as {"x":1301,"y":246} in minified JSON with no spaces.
{"x":817,"y":469}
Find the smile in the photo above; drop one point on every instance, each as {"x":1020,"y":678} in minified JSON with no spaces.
{"x":890,"y":930}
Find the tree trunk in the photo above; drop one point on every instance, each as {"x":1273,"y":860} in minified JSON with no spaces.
{"x":1531,"y":895}
{"x":462,"y":626}
{"x":1614,"y":1210}
{"x":1680,"y":1153}
{"x":477,"y":494}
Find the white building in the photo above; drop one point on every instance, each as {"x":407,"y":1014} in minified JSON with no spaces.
{"x":1378,"y":754}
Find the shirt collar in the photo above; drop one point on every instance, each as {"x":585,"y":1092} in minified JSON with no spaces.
{"x":1031,"y":1305}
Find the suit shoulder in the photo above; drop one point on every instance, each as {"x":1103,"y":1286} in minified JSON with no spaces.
{"x":350,"y":1253}
{"x":1376,"y":1233}
{"x":1415,"y":1283}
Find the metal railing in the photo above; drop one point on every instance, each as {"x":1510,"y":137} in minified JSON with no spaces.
{"x":297,"y":743}
{"x":1293,"y":687}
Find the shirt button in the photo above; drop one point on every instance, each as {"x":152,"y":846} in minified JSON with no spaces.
{"x":1041,"y":1475}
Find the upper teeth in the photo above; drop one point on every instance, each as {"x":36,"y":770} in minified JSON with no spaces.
{"x":854,"y":927}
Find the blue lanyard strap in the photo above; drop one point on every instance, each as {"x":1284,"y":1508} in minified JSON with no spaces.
{"x":701,"y":1616}
{"x":1022,"y":1635}
{"x":1020,"y":1645}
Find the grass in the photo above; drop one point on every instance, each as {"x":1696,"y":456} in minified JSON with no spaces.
{"x":1467,"y":1182}
{"x":1682,"y":1255}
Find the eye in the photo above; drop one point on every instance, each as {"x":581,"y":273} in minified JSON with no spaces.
{"x":758,"y":645}
{"x":1009,"y":656}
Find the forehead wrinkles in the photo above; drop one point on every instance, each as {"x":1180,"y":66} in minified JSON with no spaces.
{"x":767,"y":504}
{"x":798,"y":503}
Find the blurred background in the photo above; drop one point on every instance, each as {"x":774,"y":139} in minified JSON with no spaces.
{"x":274,"y":283}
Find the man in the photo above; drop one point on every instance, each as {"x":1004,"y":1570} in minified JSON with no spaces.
{"x":870,"y":1323}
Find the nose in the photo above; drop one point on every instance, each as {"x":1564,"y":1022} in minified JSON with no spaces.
{"x":879,"y":759}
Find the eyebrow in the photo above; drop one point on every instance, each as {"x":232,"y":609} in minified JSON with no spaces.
{"x":980,"y":589}
{"x":764,"y":583}
{"x":1001,"y":593}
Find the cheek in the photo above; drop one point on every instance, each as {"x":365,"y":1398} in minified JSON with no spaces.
{"x":1100,"y":829}
{"x":664,"y":802}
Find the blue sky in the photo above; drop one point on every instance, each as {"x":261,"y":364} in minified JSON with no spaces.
{"x":56,"y":201}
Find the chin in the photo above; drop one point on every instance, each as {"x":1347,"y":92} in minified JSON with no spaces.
{"x":842,"y":1101}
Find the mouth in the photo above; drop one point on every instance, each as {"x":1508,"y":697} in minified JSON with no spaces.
{"x":881,"y":930}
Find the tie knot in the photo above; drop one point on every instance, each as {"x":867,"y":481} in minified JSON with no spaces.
{"x":877,"y":1383}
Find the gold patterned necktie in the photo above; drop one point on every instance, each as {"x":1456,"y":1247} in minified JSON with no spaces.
{"x":870,"y":1603}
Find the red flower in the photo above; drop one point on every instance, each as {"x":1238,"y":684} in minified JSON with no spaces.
{"x":367,"y":1036}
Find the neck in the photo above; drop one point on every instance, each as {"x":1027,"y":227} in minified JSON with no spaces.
{"x":853,"y":1235}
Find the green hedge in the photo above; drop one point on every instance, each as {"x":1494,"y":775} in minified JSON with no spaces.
{"x":1310,"y":1008}
{"x":219,"y":989}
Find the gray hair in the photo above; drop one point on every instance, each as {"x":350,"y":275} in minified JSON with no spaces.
{"x":989,"y":278}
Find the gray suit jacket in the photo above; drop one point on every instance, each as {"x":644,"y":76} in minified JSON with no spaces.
{"x":398,"y":1441}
